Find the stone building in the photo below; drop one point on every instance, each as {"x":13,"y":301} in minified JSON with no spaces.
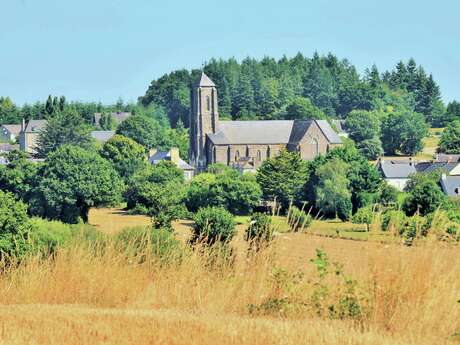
{"x":246,"y":144}
{"x":28,"y":136}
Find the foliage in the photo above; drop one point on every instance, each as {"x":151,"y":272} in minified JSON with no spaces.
{"x":260,"y":231}
{"x":158,"y":191}
{"x":73,"y":180}
{"x":403,"y":132}
{"x":301,"y":108}
{"x":424,"y":194}
{"x":125,"y":154}
{"x":364,"y":215}
{"x":18,"y":175}
{"x":282,"y":177}
{"x":237,"y":193}
{"x":213,"y":225}
{"x":14,"y":227}
{"x":144,"y":130}
{"x":47,"y":236}
{"x":388,"y":194}
{"x":450,"y":139}
{"x":333,"y":196}
{"x":63,"y":128}
{"x":107,"y":122}
{"x":394,"y":221}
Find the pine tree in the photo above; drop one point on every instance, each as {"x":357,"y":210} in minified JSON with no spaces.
{"x":49,"y":107}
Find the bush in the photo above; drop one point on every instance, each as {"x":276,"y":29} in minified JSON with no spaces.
{"x":139,"y":241}
{"x":364,"y":215}
{"x":47,"y":236}
{"x":14,"y":227}
{"x":393,"y":220}
{"x":213,"y":224}
{"x":388,"y":194}
{"x":260,"y":231}
{"x":298,"y":219}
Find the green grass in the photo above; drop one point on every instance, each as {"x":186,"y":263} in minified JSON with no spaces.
{"x":329,"y":228}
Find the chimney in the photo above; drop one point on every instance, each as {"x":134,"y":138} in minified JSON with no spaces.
{"x":152,"y":152}
{"x":174,"y":152}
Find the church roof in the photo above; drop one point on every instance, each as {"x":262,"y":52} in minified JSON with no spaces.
{"x":204,"y":81}
{"x":268,"y":132}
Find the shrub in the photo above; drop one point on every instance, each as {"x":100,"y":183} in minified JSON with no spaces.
{"x":298,"y":219}
{"x":388,"y":194}
{"x":260,"y":230}
{"x":393,"y":220}
{"x":213,"y":224}
{"x":364,"y":215}
{"x":14,"y":227}
{"x":46,"y":236}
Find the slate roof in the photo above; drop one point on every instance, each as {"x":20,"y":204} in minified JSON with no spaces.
{"x":268,"y":132}
{"x":427,"y":167}
{"x":118,"y":116}
{"x":34,"y":126}
{"x":395,"y":169}
{"x":13,"y":129}
{"x":102,"y":136}
{"x":204,"y":81}
{"x":166,"y":155}
{"x":451,"y":185}
{"x":340,"y":125}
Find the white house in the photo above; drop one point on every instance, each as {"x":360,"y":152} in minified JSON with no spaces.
{"x":396,"y":173}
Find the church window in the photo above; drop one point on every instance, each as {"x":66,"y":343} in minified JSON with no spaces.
{"x":237,"y":155}
{"x":208,"y":103}
{"x":268,"y":152}
{"x":259,"y":155}
{"x":315,"y":145}
{"x":214,"y":154}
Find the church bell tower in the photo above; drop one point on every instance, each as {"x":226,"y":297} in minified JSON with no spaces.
{"x":204,"y":119}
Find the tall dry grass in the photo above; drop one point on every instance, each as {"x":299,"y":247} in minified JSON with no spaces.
{"x":87,"y":296}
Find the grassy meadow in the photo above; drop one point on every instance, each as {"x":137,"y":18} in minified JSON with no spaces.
{"x":377,"y":293}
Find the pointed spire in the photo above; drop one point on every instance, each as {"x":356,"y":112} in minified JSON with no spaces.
{"x":204,"y":81}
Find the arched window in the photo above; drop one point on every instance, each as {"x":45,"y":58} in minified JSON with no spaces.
{"x":237,"y":155}
{"x":315,"y":146}
{"x":228,"y":155}
{"x":208,"y":103}
{"x":214,"y":155}
{"x":247,"y":151}
{"x":259,"y":155}
{"x":268,"y":152}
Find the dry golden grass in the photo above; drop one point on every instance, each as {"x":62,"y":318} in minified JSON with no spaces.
{"x":85,"y":297}
{"x":113,"y":220}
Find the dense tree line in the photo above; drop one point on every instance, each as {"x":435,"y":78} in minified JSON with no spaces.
{"x":264,"y":89}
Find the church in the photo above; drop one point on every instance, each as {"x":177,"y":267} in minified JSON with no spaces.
{"x":244,"y":145}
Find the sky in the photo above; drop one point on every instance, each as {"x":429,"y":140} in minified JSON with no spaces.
{"x":103,"y":50}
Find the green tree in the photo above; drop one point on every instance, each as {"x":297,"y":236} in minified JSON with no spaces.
{"x":212,"y":225}
{"x":362,"y":125}
{"x":282,"y":177}
{"x":302,"y":108}
{"x":403,"y":132}
{"x":333,"y":196}
{"x":144,"y":130}
{"x":424,"y":194}
{"x":125,"y":154}
{"x":63,"y":128}
{"x":14,"y":226}
{"x":370,"y":148}
{"x":73,"y":180}
{"x":450,"y":139}
{"x":453,"y":111}
{"x":49,"y":107}
{"x":107,"y":122}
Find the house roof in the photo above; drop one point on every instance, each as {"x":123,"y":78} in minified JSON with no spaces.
{"x":268,"y":132}
{"x":166,"y":156}
{"x":340,"y":125}
{"x":102,"y":136}
{"x":204,"y":81}
{"x":396,"y":169}
{"x":33,"y":126}
{"x":427,"y":167}
{"x":451,"y":185}
{"x":13,"y":129}
{"x":118,"y":116}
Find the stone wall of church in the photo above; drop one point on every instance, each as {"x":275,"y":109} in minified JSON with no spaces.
{"x":313,"y":143}
{"x":229,"y":154}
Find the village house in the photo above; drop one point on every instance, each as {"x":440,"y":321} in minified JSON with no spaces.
{"x":28,"y":136}
{"x":172,"y":155}
{"x":396,"y":172}
{"x":9,"y":133}
{"x":246,"y":144}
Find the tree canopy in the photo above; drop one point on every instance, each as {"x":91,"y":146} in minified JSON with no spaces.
{"x":450,"y":139}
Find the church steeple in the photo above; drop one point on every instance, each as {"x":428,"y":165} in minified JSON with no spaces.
{"x":204,"y":119}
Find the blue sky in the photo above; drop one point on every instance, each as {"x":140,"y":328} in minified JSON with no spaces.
{"x":100,"y":50}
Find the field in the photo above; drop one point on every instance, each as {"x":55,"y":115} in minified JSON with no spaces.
{"x":407,"y":295}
